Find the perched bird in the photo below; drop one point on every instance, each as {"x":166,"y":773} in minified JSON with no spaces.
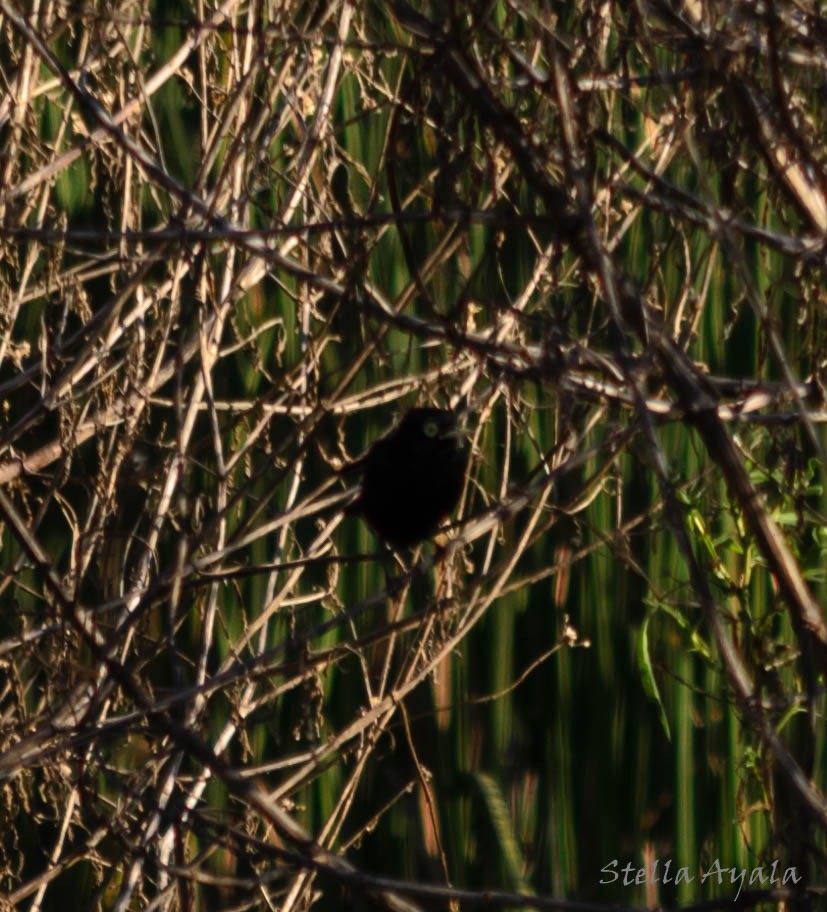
{"x":412,"y":477}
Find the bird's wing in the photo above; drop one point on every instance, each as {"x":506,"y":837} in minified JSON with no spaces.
{"x":380,"y":451}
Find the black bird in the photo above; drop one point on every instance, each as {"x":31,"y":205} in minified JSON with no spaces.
{"x":412,"y":477}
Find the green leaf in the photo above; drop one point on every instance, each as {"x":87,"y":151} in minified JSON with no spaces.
{"x":501,"y":822}
{"x":647,"y":675}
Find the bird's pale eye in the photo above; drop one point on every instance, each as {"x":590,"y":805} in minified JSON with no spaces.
{"x":430,"y":428}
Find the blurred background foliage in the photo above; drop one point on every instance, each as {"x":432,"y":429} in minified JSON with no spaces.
{"x":237,"y":241}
